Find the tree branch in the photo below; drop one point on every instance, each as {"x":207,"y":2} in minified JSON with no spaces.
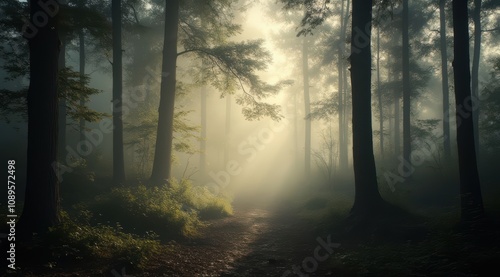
{"x":135,"y":14}
{"x":490,"y":30}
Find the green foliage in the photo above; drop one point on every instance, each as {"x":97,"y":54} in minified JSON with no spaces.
{"x":215,"y":208}
{"x":229,"y":66}
{"x":184,"y":132}
{"x":15,"y":55}
{"x":233,"y":66}
{"x":141,"y":131}
{"x":170,"y":210}
{"x":208,"y":205}
{"x":206,"y":29}
{"x":423,"y":129}
{"x":13,"y":103}
{"x":144,"y":209}
{"x":315,"y":13}
{"x":200,"y":199}
{"x":78,"y":240}
{"x":325,"y":108}
{"x":87,"y":15}
{"x":74,"y":88}
{"x":207,"y":22}
{"x":13,"y":49}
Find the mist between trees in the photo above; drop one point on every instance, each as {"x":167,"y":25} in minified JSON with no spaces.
{"x":429,"y":150}
{"x":140,"y":132}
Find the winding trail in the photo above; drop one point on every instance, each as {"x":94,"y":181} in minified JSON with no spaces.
{"x":253,"y":242}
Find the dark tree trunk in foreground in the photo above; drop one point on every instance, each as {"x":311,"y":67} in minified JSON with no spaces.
{"x":444,"y":77}
{"x":476,"y":16}
{"x":41,"y":206}
{"x":164,"y":136}
{"x":62,"y":113}
{"x":367,"y":196}
{"x":406,"y":86}
{"x":470,"y":188}
{"x":118,"y":156}
{"x":307,"y":107}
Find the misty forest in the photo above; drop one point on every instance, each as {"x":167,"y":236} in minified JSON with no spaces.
{"x":250,"y":137}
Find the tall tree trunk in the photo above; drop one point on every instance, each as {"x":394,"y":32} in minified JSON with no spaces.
{"x":228,"y":129}
{"x":62,"y":113}
{"x":118,"y":155}
{"x":340,"y":68}
{"x":367,"y":197}
{"x":81,"y":36}
{"x":395,"y":128}
{"x":406,"y":86}
{"x":397,"y":123}
{"x":390,"y":131}
{"x":379,"y":94}
{"x":476,"y":16}
{"x":296,"y":129}
{"x":41,"y":203}
{"x":163,"y":152}
{"x":307,"y":107}
{"x":470,"y":188}
{"x":444,"y":77}
{"x":203,"y":140}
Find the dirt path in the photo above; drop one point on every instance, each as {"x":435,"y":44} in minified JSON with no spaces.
{"x":252,"y":242}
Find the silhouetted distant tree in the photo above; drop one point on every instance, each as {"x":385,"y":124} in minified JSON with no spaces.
{"x":367,"y":197}
{"x":444,"y":79}
{"x":406,"y":84}
{"x":118,"y":155}
{"x":326,"y":48}
{"x":307,"y":108}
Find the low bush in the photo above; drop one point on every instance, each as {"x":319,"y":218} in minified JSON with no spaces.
{"x":170,"y":211}
{"x":74,"y":240}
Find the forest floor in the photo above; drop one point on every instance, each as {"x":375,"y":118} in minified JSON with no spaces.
{"x":255,"y":241}
{"x":274,"y":240}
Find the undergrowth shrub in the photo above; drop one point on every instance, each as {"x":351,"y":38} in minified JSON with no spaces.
{"x":170,"y":210}
{"x":75,"y":240}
